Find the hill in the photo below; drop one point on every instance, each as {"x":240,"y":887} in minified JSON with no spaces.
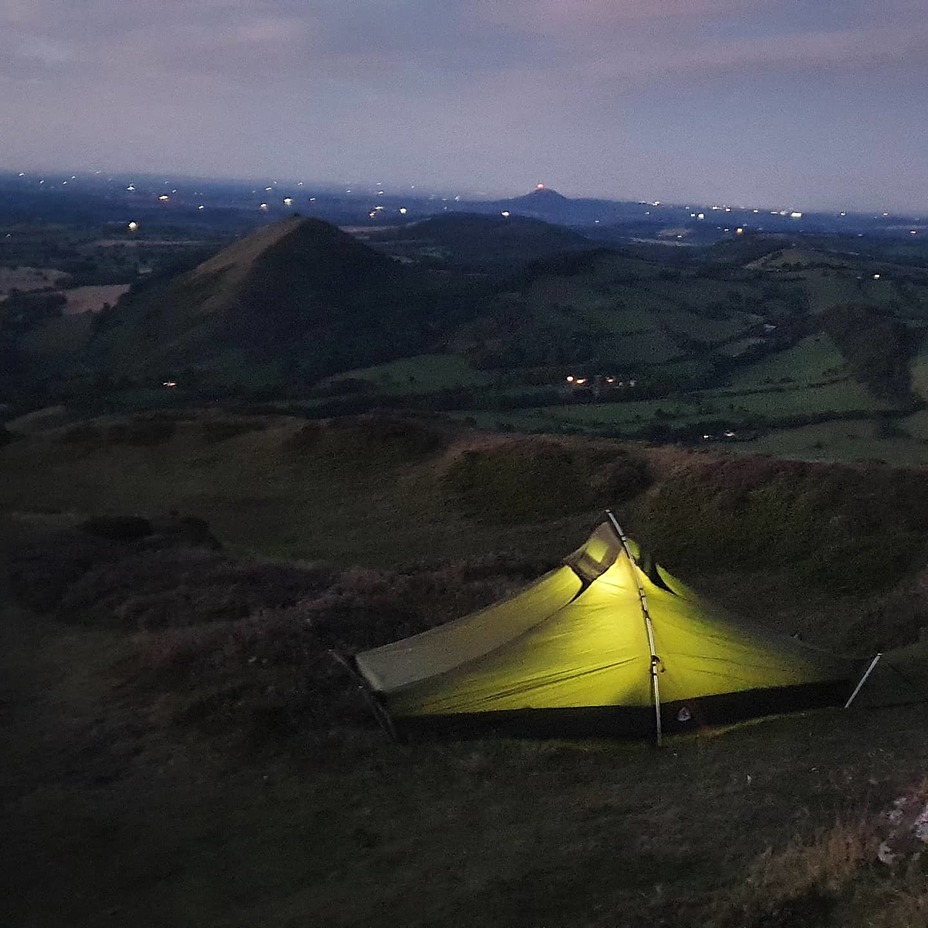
{"x":489,"y":243}
{"x":181,"y":746}
{"x":289,"y":303}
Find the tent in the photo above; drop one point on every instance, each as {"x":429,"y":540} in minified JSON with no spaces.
{"x":894,"y":678}
{"x":607,"y":642}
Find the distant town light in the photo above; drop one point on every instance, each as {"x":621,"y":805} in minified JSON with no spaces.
{"x":539,"y":186}
{"x":505,"y":214}
{"x":170,"y":384}
{"x":288,"y":201}
{"x":739,"y":230}
{"x":263,"y":206}
{"x":570,"y":378}
{"x":130,"y":188}
{"x":876,"y":276}
{"x":201,"y":206}
{"x":795,"y":214}
{"x":164,"y":198}
{"x":402,"y":210}
{"x":133,"y":226}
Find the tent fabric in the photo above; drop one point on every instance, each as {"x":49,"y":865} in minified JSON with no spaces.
{"x":900,"y":677}
{"x":577,"y":640}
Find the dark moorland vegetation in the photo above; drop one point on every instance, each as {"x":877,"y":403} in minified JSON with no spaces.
{"x":175,"y":716}
{"x":288,"y":443}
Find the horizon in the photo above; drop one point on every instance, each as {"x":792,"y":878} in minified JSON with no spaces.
{"x":818,"y":105}
{"x":358,"y":188}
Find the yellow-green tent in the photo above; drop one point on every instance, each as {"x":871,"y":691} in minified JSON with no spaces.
{"x":604,"y":642}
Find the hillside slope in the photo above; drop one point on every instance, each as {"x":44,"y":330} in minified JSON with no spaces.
{"x":481,"y":242}
{"x":299,"y":299}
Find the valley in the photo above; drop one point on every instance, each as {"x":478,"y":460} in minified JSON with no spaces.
{"x":284,"y":440}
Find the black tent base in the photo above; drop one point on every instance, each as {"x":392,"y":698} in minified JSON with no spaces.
{"x":627,"y":722}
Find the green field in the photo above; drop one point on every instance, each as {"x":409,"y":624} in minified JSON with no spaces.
{"x":424,"y":373}
{"x":846,"y":440}
{"x":812,"y":360}
{"x":728,"y":405}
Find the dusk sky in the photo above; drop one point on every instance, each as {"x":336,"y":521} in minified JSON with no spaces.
{"x":801,"y":103}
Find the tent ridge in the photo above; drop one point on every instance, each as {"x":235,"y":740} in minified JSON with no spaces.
{"x":600,"y":634}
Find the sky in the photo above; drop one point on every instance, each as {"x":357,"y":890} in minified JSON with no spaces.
{"x":810,"y":104}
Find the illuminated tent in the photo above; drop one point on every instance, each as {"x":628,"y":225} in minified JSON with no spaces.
{"x":604,"y":643}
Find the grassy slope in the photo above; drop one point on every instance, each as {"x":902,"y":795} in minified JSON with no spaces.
{"x":116,"y":812}
{"x":259,"y":493}
{"x":424,"y":373}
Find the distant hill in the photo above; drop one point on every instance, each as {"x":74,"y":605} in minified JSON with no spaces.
{"x":299,"y":299}
{"x":481,"y":242}
{"x":542,"y":198}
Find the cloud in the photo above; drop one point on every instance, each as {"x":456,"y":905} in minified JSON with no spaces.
{"x":484,"y":86}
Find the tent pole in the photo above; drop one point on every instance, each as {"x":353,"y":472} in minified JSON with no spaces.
{"x":649,"y":628}
{"x":863,"y":679}
{"x":379,"y":711}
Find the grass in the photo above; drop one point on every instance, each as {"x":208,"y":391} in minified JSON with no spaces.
{"x":919,"y":368}
{"x":187,"y":829}
{"x":224,"y":773}
{"x":811,"y":360}
{"x":93,"y":299}
{"x":63,"y":338}
{"x":707,"y":330}
{"x":273,"y":492}
{"x":425,"y":373}
{"x":846,"y":440}
{"x":727,"y":405}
